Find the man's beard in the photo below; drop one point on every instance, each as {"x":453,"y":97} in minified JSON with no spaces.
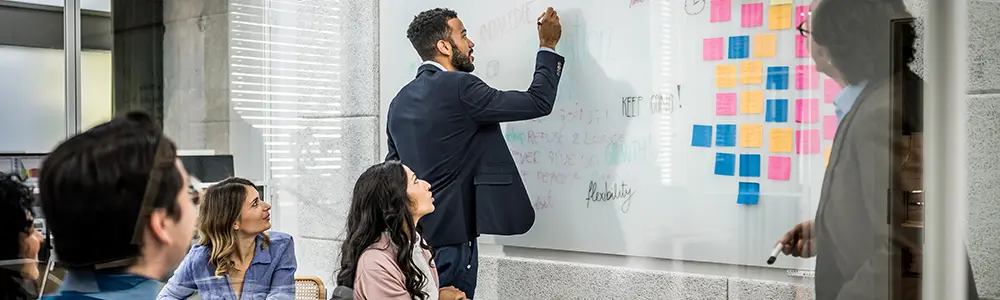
{"x":461,"y":61}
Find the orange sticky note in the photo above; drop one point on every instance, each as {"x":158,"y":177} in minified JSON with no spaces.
{"x":764,"y":45}
{"x":725,"y":76}
{"x":752,"y":102}
{"x":826,"y":155}
{"x":779,"y":17}
{"x":781,"y":140}
{"x":751,"y":72}
{"x":751,"y":135}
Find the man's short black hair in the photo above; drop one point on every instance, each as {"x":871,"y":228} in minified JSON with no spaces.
{"x":92,"y":188}
{"x":429,"y":27}
{"x":860,"y":37}
{"x":16,"y":214}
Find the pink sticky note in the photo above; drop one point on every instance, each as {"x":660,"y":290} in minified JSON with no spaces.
{"x":801,"y":14}
{"x":829,"y":126}
{"x":725,"y":104}
{"x":801,"y":46}
{"x":807,"y":141}
{"x":779,"y":167}
{"x":806,"y":77}
{"x":753,"y":15}
{"x":830,"y":90}
{"x":712,"y":48}
{"x":721,"y":11}
{"x":806,"y":110}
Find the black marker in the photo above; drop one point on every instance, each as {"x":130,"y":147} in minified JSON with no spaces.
{"x":774,"y":254}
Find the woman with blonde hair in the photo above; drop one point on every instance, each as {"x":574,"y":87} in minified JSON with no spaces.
{"x":234,"y":257}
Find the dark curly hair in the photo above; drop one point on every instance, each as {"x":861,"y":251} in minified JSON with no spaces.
{"x":861,"y":38}
{"x":16,"y":218}
{"x":429,"y":27}
{"x":380,"y":205}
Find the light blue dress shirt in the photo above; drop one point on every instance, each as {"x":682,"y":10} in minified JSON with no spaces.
{"x":271,"y":274}
{"x":845,"y":99}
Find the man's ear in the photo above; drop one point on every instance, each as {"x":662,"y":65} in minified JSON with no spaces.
{"x":159,"y":225}
{"x":443,"y":47}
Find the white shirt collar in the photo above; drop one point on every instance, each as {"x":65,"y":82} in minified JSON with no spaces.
{"x":434,"y":63}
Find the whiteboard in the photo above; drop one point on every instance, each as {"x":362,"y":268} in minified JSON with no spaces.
{"x":612,"y":169}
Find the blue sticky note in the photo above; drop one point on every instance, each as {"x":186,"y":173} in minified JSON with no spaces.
{"x":749,"y":165}
{"x":777,"y":111}
{"x":725,"y":164}
{"x":749,"y":193}
{"x":739,"y":47}
{"x":777,"y":78}
{"x":725,"y":135}
{"x":701,"y":136}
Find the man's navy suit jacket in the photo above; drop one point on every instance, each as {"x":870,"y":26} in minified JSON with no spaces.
{"x":445,"y":126}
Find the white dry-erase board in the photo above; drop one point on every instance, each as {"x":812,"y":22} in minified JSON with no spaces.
{"x":684,"y":129}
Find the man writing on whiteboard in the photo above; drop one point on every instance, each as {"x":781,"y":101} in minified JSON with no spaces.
{"x":863,"y":248}
{"x":445,"y":125}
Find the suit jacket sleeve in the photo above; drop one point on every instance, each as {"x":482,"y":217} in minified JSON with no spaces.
{"x":875,"y":150}
{"x":393,"y":154}
{"x":485,"y":104}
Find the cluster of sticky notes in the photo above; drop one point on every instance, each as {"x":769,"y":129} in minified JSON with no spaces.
{"x":740,"y":47}
{"x":749,"y":164}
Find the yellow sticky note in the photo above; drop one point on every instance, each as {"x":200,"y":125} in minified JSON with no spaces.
{"x":781,"y":140}
{"x":779,"y":17}
{"x":764,"y":45}
{"x":826,"y":154}
{"x":780,"y":2}
{"x":725,"y":76}
{"x":751,"y":135}
{"x":751,"y":72}
{"x":752,"y":102}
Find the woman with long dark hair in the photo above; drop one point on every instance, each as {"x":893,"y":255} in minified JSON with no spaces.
{"x":383,"y":256}
{"x":19,"y":242}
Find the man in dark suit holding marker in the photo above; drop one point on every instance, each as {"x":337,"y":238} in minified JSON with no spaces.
{"x":865,"y":246}
{"x":445,"y":125}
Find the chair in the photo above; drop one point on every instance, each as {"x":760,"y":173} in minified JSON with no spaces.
{"x":309,"y":288}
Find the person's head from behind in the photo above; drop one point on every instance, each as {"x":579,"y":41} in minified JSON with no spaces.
{"x":231,"y":210}
{"x":438,"y":35}
{"x":117,"y":198}
{"x":852,"y":40}
{"x":19,"y":242}
{"x":387,"y":199}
